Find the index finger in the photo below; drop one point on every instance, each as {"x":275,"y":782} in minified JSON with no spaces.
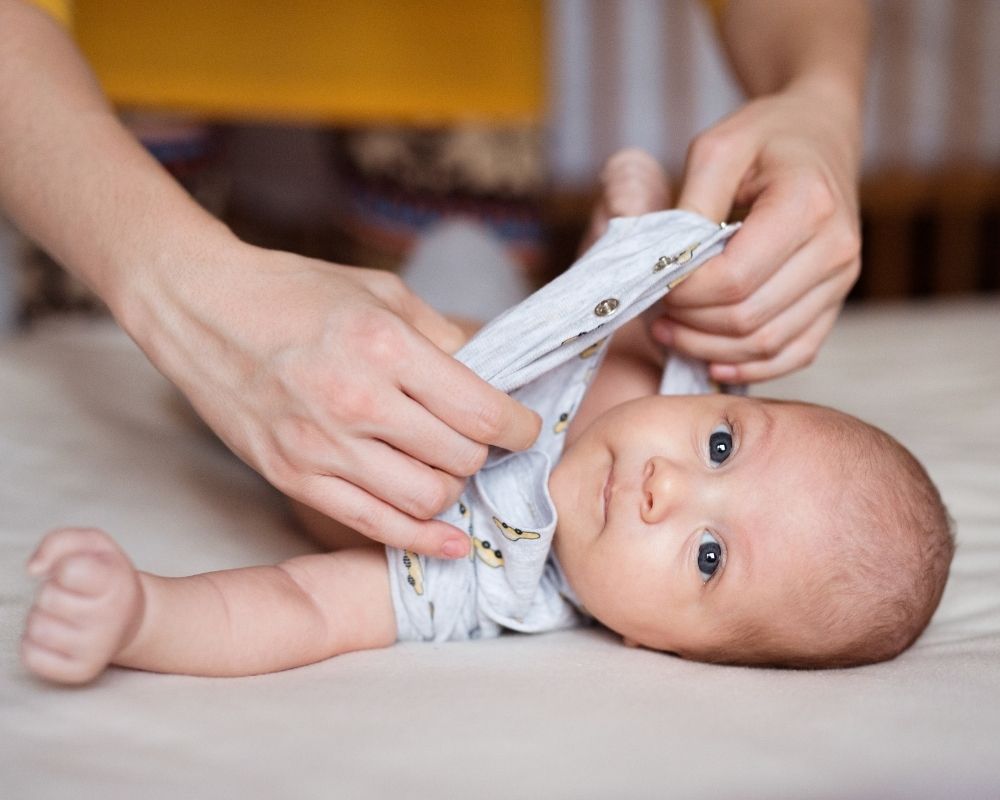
{"x":466,"y":403}
{"x":378,"y":520}
{"x":777,"y":226}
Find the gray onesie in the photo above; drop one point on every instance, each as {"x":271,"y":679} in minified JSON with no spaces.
{"x":544,"y":352}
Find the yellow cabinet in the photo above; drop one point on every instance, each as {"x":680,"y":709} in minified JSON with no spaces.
{"x":356,"y":61}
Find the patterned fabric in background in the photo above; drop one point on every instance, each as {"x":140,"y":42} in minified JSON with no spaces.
{"x":390,"y":185}
{"x":397,"y":182}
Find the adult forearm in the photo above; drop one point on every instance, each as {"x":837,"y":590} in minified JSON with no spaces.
{"x":280,"y":354}
{"x":773,"y":44}
{"x":73,"y":179}
{"x":791,"y":157}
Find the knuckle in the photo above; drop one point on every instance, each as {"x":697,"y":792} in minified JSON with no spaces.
{"x":277,"y":466}
{"x":707,"y":147}
{"x":803,"y":358}
{"x":853,"y":273}
{"x":491,"y":421}
{"x":746,"y":318}
{"x":378,"y":337}
{"x":806,"y":359}
{"x":847,"y":247}
{"x":364,"y":324}
{"x":455,"y":487}
{"x":365,"y":519}
{"x":766,"y":343}
{"x":292,"y":435}
{"x":355,"y":403}
{"x":473,"y":460}
{"x":735,"y":287}
{"x":412,"y":539}
{"x":391,"y":286}
{"x":431,"y":500}
{"x":820,"y":201}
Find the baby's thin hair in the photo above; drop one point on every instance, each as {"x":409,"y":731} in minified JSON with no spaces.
{"x":894,"y":542}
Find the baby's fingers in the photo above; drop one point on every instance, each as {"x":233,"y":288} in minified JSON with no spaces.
{"x":634,"y":184}
{"x":51,"y":632}
{"x":62,"y":542}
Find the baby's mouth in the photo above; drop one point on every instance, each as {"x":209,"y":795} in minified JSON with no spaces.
{"x":607,"y":492}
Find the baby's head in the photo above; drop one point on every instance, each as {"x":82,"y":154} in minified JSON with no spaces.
{"x":748,"y":531}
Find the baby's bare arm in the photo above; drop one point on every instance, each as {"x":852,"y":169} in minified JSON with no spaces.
{"x":631,"y":369}
{"x":264,"y":619}
{"x":633,"y":184}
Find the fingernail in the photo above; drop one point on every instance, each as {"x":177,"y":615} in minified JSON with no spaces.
{"x":454,"y":548}
{"x":34,"y":568}
{"x":724,"y":373}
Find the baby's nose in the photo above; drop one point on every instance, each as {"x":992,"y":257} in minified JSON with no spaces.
{"x":663,"y":489}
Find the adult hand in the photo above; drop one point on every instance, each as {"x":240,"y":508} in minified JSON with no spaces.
{"x":764,"y":306}
{"x":334,"y":383}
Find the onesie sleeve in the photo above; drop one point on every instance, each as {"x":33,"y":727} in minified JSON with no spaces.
{"x":544,"y":352}
{"x":634,"y":264}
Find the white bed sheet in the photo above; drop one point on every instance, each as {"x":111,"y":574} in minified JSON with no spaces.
{"x":91,"y":434}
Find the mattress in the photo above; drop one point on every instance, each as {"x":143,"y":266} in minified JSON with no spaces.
{"x":91,"y":434}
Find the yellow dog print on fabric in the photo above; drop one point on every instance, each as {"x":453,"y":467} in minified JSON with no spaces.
{"x":486,"y":553}
{"x":414,"y":572}
{"x":513,"y":533}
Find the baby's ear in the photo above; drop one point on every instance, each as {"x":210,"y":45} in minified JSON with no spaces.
{"x":629,"y":642}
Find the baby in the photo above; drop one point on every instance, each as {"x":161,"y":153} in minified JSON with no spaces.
{"x":713,"y":526}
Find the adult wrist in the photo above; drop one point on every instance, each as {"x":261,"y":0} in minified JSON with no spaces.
{"x":150,"y":286}
{"x":841,"y":94}
{"x":839,"y":104}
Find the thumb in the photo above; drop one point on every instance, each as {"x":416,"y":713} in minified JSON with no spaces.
{"x":442,"y":332}
{"x":712,"y":176}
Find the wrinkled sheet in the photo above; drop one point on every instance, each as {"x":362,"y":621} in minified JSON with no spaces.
{"x":91,"y":434}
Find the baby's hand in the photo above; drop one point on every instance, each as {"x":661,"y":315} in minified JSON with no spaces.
{"x":633,"y":183}
{"x":88,"y":607}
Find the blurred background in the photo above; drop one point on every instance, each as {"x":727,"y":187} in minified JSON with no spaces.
{"x":345,"y":130}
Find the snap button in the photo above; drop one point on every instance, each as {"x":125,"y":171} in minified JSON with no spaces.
{"x":685,"y":256}
{"x":662,"y":263}
{"x":606,"y":307}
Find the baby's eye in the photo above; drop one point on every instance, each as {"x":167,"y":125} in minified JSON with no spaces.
{"x":720,"y":444}
{"x":709,"y":556}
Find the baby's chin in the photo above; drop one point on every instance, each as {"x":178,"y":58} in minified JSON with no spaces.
{"x":560,"y":543}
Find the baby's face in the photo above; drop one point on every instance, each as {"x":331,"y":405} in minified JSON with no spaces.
{"x":679,"y":514}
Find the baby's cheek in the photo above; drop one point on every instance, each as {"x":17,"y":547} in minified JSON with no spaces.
{"x":619,"y":571}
